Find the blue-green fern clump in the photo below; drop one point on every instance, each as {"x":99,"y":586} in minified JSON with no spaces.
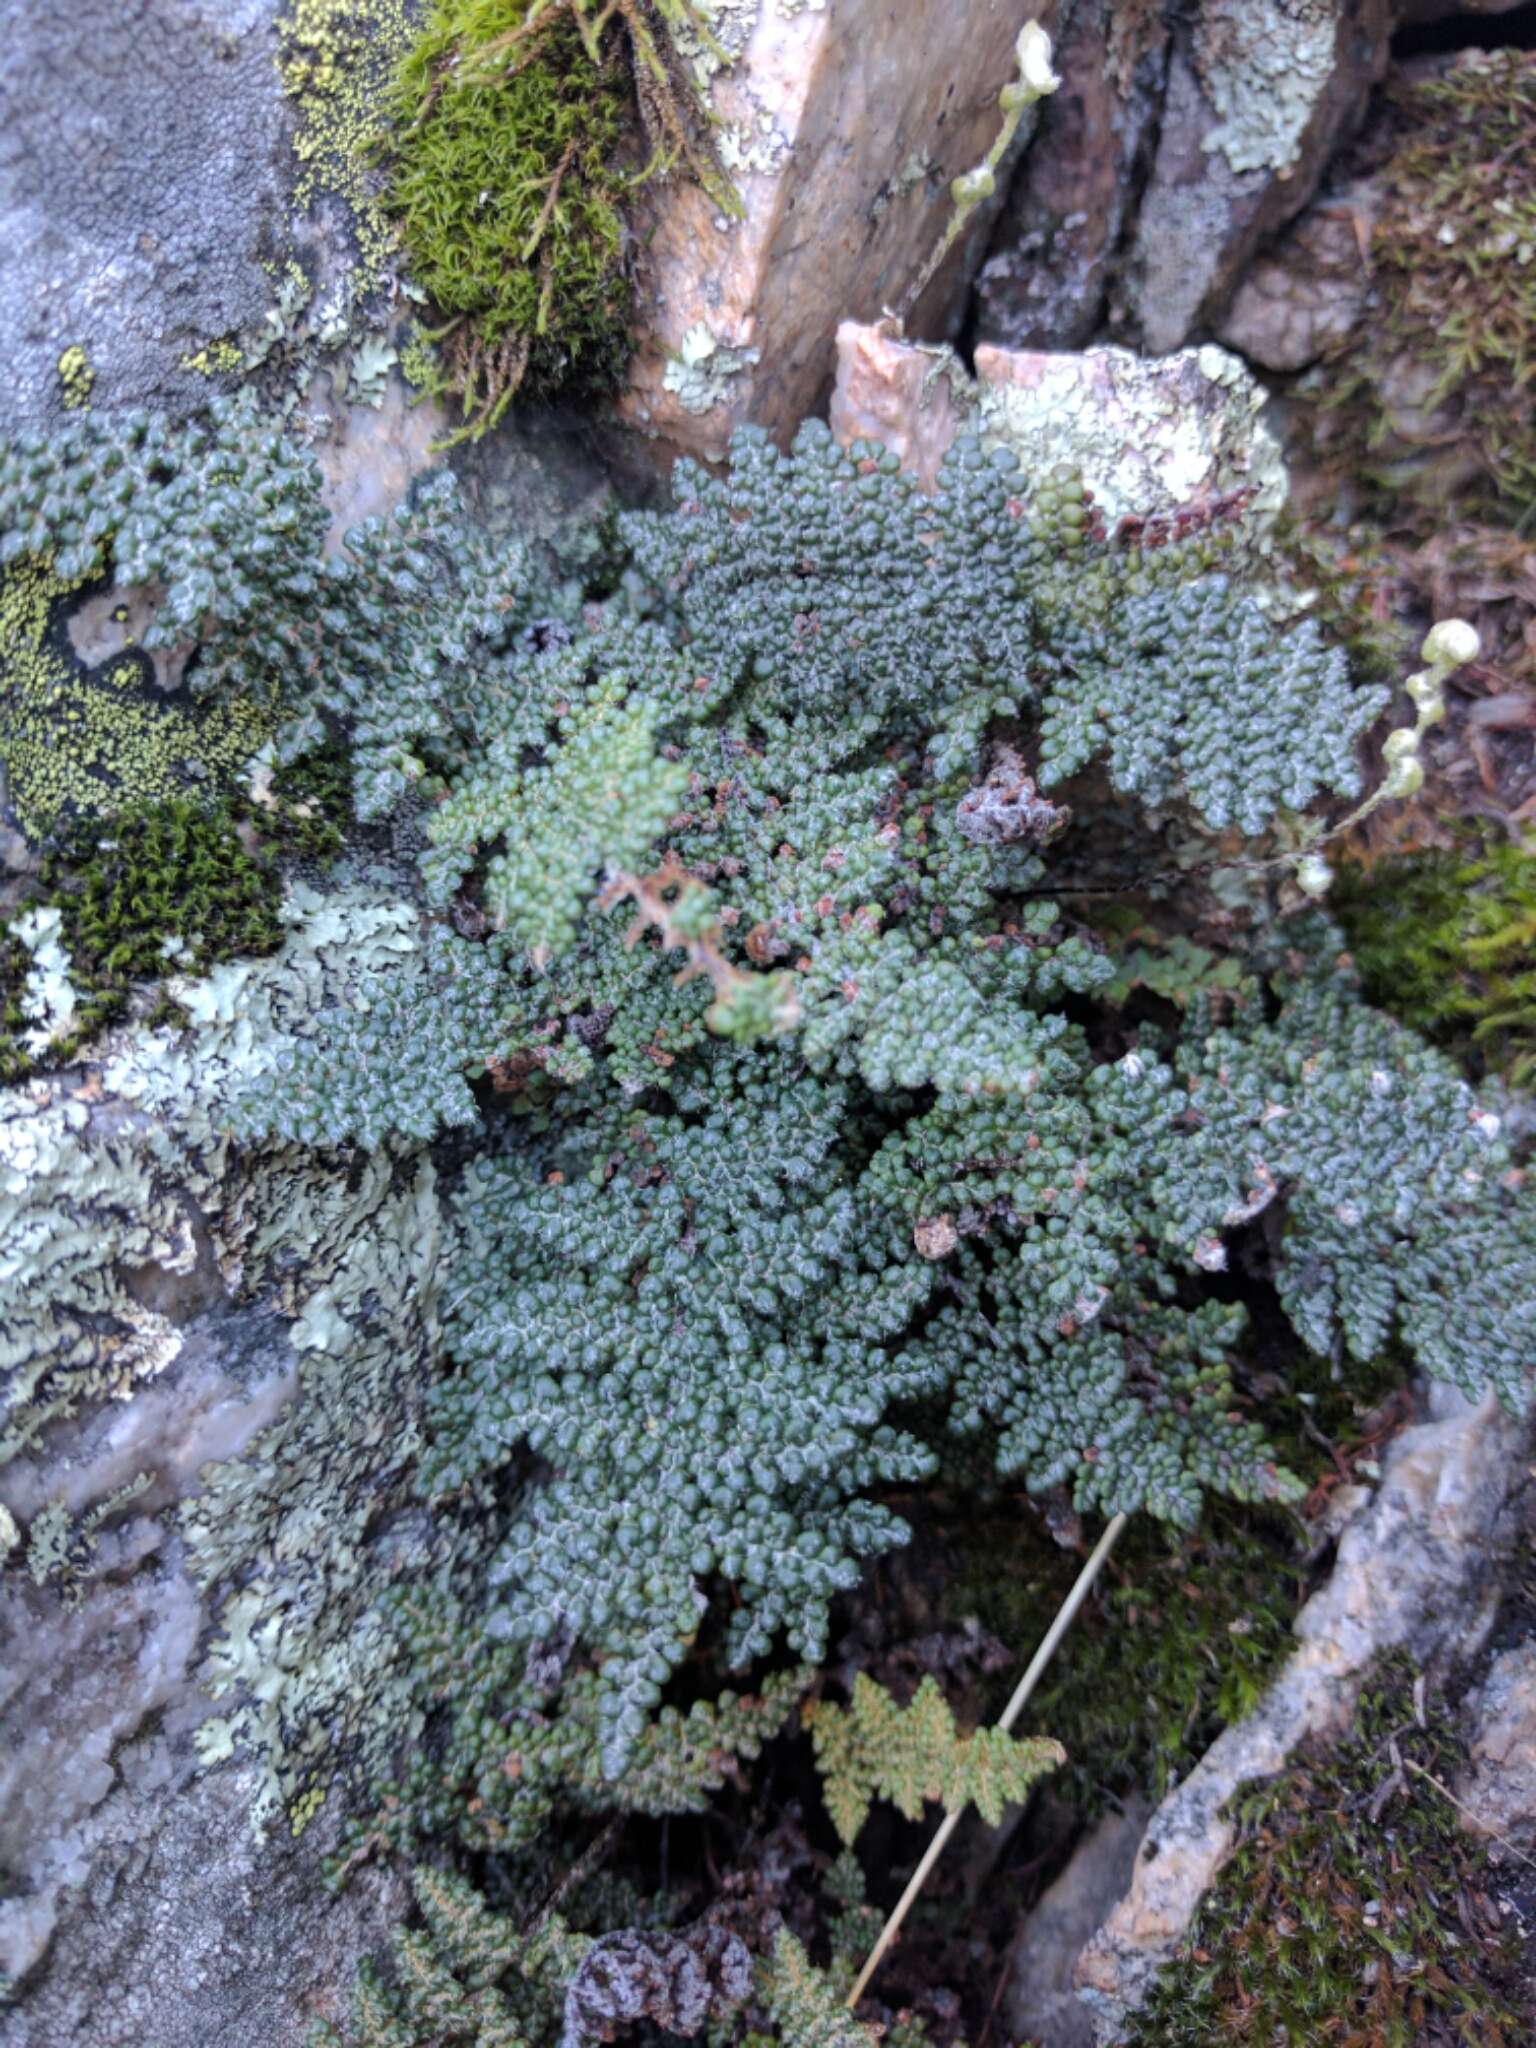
{"x":808,"y":1113}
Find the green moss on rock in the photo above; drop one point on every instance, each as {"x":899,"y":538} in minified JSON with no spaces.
{"x":505,"y":186}
{"x":1434,"y":391}
{"x":170,"y":886}
{"x":517,"y":131}
{"x":1448,"y":942}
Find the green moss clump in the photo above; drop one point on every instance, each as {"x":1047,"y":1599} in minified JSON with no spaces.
{"x":306,"y":809}
{"x":169,"y":888}
{"x":505,"y":183}
{"x":1439,"y":381}
{"x":1448,"y":942}
{"x":1353,"y":1910}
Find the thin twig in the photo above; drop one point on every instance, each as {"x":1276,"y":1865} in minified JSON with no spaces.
{"x":1065,"y":1615}
{"x":591,"y":1859}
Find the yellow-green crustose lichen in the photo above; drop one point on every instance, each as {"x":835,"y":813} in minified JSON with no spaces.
{"x":216,"y":358}
{"x":76,"y":377}
{"x":98,"y":741}
{"x":210,"y":531}
{"x":337,"y":56}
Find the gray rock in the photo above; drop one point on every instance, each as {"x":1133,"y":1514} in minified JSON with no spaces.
{"x":141,"y":165}
{"x":142,"y":1907}
{"x":1042,"y":2003}
{"x":1497,"y":1789}
{"x":187,"y":1932}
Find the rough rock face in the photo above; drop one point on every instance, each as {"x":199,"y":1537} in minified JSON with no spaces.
{"x":141,"y":148}
{"x":1047,"y":280}
{"x":1305,"y":295}
{"x":843,"y":127}
{"x":1417,"y":1569}
{"x":143,"y":1907}
{"x":198,"y":1351}
{"x":1180,"y":140}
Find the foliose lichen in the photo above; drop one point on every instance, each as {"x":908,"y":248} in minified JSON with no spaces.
{"x":1264,"y":65}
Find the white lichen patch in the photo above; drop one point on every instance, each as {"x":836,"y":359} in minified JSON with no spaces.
{"x":48,"y":999}
{"x":1264,"y":65}
{"x":748,"y":137}
{"x":730,"y":24}
{"x":757,"y":143}
{"x":1146,"y":435}
{"x":700,"y":373}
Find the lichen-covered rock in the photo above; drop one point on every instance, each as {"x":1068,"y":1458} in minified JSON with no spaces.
{"x":270,"y":1311}
{"x":141,"y":161}
{"x":1148,"y":439}
{"x":843,"y":135}
{"x":1259,"y":95}
{"x":1042,"y":2002}
{"x":1179,"y":141}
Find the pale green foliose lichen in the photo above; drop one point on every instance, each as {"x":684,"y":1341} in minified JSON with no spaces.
{"x":701,"y":372}
{"x":1145,"y":436}
{"x":48,"y":997}
{"x":126,"y":1170}
{"x":1264,"y":65}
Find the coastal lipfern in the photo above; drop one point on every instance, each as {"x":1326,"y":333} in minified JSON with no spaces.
{"x":798,"y":1115}
{"x":876,"y":1749}
{"x":720,"y":1292}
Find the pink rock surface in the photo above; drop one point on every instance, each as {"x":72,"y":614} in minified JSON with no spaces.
{"x":871,"y":108}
